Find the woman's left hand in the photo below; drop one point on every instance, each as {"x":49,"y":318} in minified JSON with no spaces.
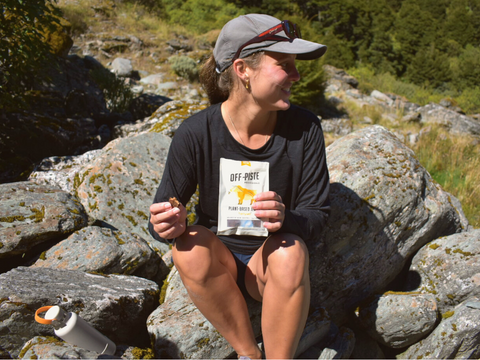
{"x":270,"y":209}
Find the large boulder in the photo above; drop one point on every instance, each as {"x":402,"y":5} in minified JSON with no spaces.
{"x":456,"y":337}
{"x":118,"y":186}
{"x":31,"y":214}
{"x":116,"y":305}
{"x":60,"y":171}
{"x":384,"y":207}
{"x":105,"y":251}
{"x":398,"y":320}
{"x":449,"y":269}
{"x":456,"y":123}
{"x":164,"y":120}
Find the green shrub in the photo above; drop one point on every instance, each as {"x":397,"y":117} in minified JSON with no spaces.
{"x":469,"y":100}
{"x":185,"y":67}
{"x":200,"y":16}
{"x":308,"y":91}
{"x":117,"y":94}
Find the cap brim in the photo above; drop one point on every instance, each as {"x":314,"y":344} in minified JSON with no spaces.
{"x":304,"y":49}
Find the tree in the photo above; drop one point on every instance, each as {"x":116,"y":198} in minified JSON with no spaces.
{"x":469,"y":68}
{"x":23,"y":24}
{"x":413,"y":29}
{"x":429,"y":67}
{"x":458,"y":23}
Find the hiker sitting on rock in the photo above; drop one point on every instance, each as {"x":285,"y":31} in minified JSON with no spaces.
{"x":251,"y":136}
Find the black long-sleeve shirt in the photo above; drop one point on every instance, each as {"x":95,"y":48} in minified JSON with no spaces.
{"x":297,"y":170}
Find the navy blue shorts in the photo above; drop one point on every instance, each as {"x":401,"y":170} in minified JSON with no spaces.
{"x":242,"y":260}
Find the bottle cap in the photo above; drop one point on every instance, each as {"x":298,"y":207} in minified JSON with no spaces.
{"x":42,"y":320}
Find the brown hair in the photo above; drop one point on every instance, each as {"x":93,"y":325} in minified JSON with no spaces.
{"x":218,"y":86}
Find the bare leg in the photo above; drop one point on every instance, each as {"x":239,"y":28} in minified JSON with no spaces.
{"x":209,"y":272}
{"x":280,"y":276}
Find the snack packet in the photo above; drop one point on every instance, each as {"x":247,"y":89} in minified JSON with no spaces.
{"x":240,"y":181}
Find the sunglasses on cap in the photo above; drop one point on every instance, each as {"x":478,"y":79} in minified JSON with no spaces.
{"x":290,"y":29}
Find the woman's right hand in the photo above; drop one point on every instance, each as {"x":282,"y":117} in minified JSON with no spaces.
{"x":168,"y":222}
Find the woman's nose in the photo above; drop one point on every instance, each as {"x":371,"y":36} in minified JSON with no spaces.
{"x":294,"y":75}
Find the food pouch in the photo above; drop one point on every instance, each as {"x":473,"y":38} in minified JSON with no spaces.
{"x":240,"y":181}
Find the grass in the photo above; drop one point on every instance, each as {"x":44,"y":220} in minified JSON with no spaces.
{"x":454,"y":162}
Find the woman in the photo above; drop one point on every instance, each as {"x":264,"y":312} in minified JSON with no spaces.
{"x":248,"y":80}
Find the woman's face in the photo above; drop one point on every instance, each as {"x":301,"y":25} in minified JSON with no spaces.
{"x":271,"y":82}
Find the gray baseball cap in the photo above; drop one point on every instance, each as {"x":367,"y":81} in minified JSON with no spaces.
{"x":244,"y":28}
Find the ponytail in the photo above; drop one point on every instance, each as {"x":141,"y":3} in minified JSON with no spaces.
{"x":218,"y":86}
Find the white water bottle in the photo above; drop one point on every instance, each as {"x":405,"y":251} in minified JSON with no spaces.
{"x":74,"y":330}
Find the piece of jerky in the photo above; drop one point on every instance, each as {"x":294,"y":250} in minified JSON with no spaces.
{"x":174,"y":202}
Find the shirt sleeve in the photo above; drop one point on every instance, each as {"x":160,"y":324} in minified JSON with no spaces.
{"x":308,"y":216}
{"x":179,"y":176}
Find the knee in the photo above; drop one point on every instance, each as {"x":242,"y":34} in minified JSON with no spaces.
{"x":287,"y":261}
{"x":192,"y":253}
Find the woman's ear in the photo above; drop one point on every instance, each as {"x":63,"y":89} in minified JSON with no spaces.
{"x":241,"y":69}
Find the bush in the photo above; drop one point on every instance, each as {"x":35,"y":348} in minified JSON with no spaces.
{"x":185,"y":67}
{"x":469,"y":101}
{"x":309,"y":90}
{"x":200,"y":16}
{"x":23,"y":49}
{"x":117,"y":94}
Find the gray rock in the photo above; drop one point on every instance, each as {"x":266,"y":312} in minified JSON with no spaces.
{"x":384,"y":207}
{"x":31,"y":214}
{"x":342,"y":347}
{"x":448,"y":268}
{"x":154,"y":79}
{"x":118,"y":186}
{"x":456,"y":123}
{"x":116,"y":305}
{"x":179,"y":45}
{"x":338,"y":79}
{"x":122,"y":67}
{"x":337,"y":126}
{"x":164,"y":120}
{"x":399,"y":320}
{"x":414,"y":117}
{"x":105,"y":251}
{"x":60,"y":171}
{"x":456,"y":337}
{"x":381,"y":97}
{"x":49,"y":347}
